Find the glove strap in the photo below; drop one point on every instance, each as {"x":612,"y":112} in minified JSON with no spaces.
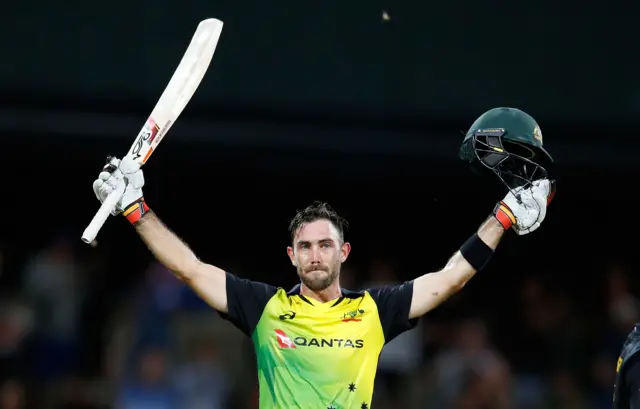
{"x":136,"y":211}
{"x":504,"y":215}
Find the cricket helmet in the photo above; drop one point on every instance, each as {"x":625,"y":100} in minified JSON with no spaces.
{"x":507,"y":142}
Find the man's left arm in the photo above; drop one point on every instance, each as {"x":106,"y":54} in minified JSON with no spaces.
{"x":432,"y":289}
{"x":400,"y":305}
{"x":523,"y":210}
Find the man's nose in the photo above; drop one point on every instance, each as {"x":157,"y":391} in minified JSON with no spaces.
{"x":315,"y":256}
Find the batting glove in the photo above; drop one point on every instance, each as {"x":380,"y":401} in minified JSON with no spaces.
{"x":525,"y":209}
{"x":115,"y":173}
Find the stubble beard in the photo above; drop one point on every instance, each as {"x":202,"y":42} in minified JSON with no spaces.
{"x":318,"y":282}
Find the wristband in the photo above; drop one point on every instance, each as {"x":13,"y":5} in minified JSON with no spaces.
{"x":504,"y":215}
{"x":476,"y":252}
{"x":136,"y":211}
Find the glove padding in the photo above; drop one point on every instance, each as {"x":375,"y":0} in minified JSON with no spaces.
{"x":529,"y":206}
{"x":116,"y":172}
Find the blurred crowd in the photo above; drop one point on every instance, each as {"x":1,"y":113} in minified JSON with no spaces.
{"x":64,"y":343}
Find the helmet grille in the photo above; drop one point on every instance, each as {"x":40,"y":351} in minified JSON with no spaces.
{"x":511,"y":161}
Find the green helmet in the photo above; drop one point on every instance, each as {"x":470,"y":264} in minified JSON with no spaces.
{"x":507,"y":142}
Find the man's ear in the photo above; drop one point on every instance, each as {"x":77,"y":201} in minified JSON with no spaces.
{"x":292,"y":255}
{"x":345,"y":250}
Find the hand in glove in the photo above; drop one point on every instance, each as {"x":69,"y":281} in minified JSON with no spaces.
{"x":119,"y":173}
{"x":525,"y":209}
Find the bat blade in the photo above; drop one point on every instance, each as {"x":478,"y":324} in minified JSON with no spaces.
{"x":175,"y":97}
{"x":182,"y":86}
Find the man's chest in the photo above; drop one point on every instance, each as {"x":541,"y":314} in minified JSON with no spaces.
{"x":352,"y":325}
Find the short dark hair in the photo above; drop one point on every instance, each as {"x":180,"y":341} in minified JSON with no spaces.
{"x":318,"y":210}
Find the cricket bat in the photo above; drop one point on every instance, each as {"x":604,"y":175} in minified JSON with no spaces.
{"x":174,"y":99}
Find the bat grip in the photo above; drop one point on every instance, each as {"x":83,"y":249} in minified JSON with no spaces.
{"x":102,"y":214}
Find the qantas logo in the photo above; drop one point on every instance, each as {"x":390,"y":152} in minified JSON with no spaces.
{"x":285,"y":342}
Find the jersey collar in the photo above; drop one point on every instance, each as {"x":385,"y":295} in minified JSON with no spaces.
{"x":345,"y":294}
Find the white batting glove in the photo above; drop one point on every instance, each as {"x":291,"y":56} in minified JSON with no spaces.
{"x":525,"y":209}
{"x":125,"y":172}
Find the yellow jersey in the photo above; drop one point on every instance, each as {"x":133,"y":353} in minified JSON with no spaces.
{"x":316,"y":355}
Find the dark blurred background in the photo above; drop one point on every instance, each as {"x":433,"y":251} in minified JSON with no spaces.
{"x":361,"y":104}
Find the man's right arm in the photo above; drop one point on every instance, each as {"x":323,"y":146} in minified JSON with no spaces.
{"x":208,"y":281}
{"x":240,"y":301}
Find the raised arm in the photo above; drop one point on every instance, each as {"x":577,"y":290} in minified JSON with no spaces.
{"x":523,"y":212}
{"x":207,"y":281}
{"x":432,"y":289}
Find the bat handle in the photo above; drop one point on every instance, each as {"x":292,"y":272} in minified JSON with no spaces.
{"x":102,"y":214}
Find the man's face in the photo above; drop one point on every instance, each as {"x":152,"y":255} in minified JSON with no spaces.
{"x":317,"y":252}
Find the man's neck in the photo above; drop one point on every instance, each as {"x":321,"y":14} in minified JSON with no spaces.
{"x":330,"y":293}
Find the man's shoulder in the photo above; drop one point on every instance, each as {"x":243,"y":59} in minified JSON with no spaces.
{"x":235,"y":281}
{"x":354,"y":293}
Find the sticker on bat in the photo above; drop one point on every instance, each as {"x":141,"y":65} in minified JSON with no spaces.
{"x":146,"y":135}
